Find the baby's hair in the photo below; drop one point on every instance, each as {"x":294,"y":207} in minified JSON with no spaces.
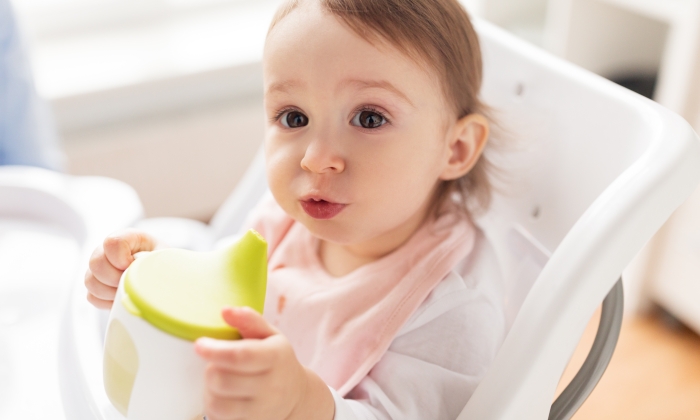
{"x":437,"y":33}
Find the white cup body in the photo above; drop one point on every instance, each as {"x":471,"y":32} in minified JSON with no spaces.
{"x":169,"y":376}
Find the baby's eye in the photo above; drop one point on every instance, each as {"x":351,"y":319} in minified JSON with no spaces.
{"x":294,"y":119}
{"x":368,"y":119}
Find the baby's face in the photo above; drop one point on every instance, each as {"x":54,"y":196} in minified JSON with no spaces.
{"x":356,"y":135}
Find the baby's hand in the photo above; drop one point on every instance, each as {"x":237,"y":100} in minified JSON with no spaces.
{"x":109,"y":261}
{"x":259,"y":377}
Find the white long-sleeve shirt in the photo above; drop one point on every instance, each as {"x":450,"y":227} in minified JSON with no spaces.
{"x":436,"y":361}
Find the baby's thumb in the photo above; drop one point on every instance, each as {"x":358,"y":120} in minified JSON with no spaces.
{"x":248,"y":322}
{"x":119,"y":248}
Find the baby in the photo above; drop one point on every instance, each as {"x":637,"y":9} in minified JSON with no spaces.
{"x":384,"y":300}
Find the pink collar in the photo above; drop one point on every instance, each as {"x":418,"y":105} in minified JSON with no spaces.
{"x":341,"y":327}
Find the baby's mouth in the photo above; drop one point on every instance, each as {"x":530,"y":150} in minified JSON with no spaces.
{"x":321,"y":209}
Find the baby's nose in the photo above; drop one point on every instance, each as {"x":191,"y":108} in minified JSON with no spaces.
{"x":322,"y":157}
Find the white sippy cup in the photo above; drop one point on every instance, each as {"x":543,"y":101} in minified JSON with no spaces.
{"x":167,"y":299}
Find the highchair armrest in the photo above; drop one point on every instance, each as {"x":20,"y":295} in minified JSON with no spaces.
{"x":578,"y":390}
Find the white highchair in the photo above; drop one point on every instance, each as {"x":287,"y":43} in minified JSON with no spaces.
{"x":592,"y":171}
{"x":49,"y":225}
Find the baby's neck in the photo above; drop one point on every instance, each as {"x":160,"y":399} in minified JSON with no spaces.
{"x":339,"y":261}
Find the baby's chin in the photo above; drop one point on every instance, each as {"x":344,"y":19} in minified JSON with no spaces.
{"x":333,"y":231}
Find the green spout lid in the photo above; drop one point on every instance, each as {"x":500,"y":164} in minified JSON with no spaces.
{"x":182,"y":292}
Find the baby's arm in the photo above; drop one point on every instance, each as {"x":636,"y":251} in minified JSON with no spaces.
{"x":109,"y":261}
{"x":259,"y":377}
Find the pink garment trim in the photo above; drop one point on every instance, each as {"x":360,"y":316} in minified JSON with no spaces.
{"x":411,"y":302}
{"x":341,"y":327}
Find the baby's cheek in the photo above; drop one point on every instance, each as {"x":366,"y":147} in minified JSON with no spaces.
{"x":279,"y":175}
{"x":280,"y":189}
{"x":396,"y":184}
{"x":403,"y":193}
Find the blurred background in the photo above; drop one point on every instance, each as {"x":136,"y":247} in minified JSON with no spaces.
{"x":166,"y":95}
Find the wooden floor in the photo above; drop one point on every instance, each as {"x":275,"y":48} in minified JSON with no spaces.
{"x":654,"y":373}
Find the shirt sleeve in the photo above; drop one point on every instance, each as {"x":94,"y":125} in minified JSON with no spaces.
{"x":439,"y":357}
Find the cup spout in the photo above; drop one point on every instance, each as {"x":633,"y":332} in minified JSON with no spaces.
{"x":247,"y":262}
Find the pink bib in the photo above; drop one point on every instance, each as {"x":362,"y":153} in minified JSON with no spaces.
{"x":341,"y":326}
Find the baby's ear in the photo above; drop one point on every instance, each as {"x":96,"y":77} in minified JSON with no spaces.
{"x":466,"y":141}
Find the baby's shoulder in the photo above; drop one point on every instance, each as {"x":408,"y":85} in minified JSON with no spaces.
{"x":461,"y":324}
{"x":470,"y":295}
{"x":479,"y":273}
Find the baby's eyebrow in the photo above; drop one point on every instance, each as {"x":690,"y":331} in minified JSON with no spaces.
{"x":381,"y":84}
{"x":284,"y":86}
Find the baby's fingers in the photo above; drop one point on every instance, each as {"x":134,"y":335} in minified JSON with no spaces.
{"x":224,"y":384}
{"x":243,"y":356}
{"x":218,"y":408}
{"x":102,"y":270}
{"x":120,"y":248}
{"x":99,"y":289}
{"x":99,"y":303}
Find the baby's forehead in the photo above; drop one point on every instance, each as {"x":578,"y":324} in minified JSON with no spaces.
{"x":308,"y":37}
{"x":333,"y":53}
{"x":310,"y":17}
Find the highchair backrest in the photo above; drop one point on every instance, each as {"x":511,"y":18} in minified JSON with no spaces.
{"x":592,"y":172}
{"x":589,"y":171}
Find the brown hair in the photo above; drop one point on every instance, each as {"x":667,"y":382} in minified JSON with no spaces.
{"x":440,"y":34}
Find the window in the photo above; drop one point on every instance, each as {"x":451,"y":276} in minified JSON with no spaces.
{"x":84,"y":47}
{"x":55,"y":18}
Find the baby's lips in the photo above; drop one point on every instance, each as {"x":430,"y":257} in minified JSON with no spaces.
{"x":322,"y":209}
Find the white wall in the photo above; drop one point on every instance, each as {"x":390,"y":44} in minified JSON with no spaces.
{"x":182,"y":163}
{"x":606,"y":39}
